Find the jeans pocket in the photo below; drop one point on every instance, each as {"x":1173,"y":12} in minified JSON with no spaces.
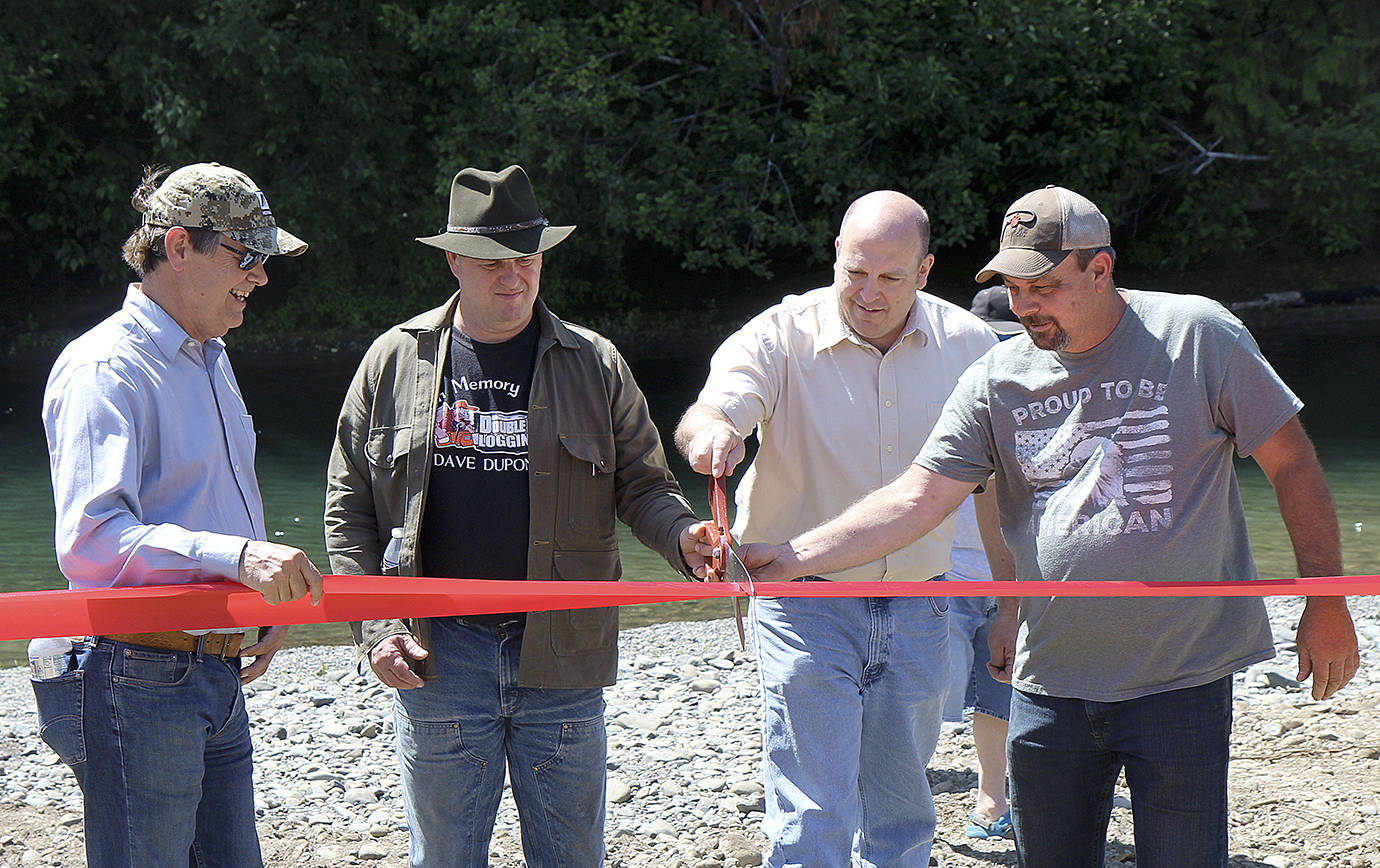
{"x":148,"y":667}
{"x":60,"y":715}
{"x":581,"y":746}
{"x":939,"y":605}
{"x":432,"y":744}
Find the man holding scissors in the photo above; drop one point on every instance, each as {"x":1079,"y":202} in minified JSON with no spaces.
{"x":843,"y":384}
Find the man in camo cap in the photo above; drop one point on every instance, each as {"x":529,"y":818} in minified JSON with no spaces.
{"x":152,"y":457}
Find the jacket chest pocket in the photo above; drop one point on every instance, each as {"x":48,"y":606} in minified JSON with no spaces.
{"x":387,"y":449}
{"x":587,"y":464}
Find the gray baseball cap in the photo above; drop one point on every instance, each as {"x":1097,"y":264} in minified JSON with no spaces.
{"x":212,"y":196}
{"x":1041,"y":228}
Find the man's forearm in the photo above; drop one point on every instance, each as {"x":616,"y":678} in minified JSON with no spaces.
{"x":882,"y":522}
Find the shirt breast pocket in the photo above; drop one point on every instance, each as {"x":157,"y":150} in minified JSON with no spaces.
{"x":587,"y":477}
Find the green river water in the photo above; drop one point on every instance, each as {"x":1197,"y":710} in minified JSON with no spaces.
{"x":294,"y":401}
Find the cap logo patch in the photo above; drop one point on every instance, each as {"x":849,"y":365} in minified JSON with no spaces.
{"x":1020,"y":222}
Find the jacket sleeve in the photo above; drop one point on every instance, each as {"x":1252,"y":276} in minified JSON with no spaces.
{"x":353,"y":537}
{"x":649,"y":499}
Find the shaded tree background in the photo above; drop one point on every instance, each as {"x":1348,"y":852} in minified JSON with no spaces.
{"x":701,"y":144}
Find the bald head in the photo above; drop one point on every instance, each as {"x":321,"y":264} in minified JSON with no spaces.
{"x":885,"y":212}
{"x":880,"y":261}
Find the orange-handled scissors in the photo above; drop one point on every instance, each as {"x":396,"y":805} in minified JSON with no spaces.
{"x":726,"y":563}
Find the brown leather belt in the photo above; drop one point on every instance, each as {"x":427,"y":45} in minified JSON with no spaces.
{"x":221,"y":645}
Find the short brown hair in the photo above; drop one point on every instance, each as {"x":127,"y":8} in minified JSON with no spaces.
{"x":143,"y":249}
{"x":1085,"y":255}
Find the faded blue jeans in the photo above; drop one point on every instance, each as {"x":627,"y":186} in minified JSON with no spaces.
{"x":971,"y":685}
{"x":159,"y":742}
{"x":852,"y":690}
{"x":1064,"y":756}
{"x":459,"y":734}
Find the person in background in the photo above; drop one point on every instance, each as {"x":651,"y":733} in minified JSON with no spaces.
{"x":842,"y":384}
{"x":501,"y":442}
{"x":152,"y":458}
{"x":972,"y":689}
{"x":1111,"y":427}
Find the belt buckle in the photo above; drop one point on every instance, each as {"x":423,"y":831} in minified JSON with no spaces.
{"x":224,"y":644}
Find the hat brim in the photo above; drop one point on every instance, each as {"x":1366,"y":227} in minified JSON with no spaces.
{"x":1022,"y":263}
{"x":501,"y":245}
{"x":269,"y":239}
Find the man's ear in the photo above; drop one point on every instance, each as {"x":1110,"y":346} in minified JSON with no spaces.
{"x":1101,"y":267}
{"x":177,"y":247}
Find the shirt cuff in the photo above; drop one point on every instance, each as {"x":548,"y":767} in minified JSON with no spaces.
{"x":220,"y":555}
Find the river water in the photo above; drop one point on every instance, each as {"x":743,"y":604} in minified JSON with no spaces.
{"x":295,"y":399}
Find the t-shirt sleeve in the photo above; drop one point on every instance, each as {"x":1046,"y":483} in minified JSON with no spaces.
{"x":1251,"y":400}
{"x":960,"y":446}
{"x":745,"y":376}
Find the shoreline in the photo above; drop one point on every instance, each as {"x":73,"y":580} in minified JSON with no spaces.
{"x":684,"y":764}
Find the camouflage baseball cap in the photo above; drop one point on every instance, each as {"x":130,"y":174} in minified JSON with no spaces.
{"x":212,"y":196}
{"x":1041,"y":228}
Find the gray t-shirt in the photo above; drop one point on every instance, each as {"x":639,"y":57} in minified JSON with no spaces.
{"x":1116,"y":463}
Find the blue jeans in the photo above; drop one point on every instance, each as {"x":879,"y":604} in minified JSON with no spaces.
{"x":971,"y":685}
{"x":852,"y":691}
{"x":159,"y":742}
{"x":458,"y":734}
{"x":1064,"y":756}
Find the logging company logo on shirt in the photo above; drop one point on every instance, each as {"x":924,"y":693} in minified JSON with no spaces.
{"x":490,"y":432}
{"x":1107,"y":476}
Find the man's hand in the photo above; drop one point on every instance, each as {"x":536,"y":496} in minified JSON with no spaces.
{"x":715,"y":450}
{"x":280,"y":573}
{"x":697,"y":542}
{"x":771,"y":563}
{"x":1327,"y":645}
{"x":388,"y":659}
{"x":1001,"y":643}
{"x":270,"y":640}
{"x":709,"y":441}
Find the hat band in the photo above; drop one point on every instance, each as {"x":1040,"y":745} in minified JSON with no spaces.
{"x":497,"y":230}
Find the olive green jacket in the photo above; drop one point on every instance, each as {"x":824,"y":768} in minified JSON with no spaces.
{"x":593,"y":452}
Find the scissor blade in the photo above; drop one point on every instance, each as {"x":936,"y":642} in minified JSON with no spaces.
{"x":735,"y":571}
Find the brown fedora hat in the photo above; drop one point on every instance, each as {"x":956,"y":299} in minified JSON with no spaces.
{"x":494,"y":215}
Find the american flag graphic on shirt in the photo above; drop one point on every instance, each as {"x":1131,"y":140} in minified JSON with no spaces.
{"x":1101,"y":473}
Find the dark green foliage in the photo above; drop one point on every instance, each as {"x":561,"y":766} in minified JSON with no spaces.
{"x":711,"y":136}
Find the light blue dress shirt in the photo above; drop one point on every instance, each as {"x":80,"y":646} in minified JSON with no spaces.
{"x":152,"y":454}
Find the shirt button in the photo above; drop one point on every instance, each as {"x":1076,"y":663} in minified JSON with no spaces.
{"x":890,"y":448}
{"x":888,"y":403}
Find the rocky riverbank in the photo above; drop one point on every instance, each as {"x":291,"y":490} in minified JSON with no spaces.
{"x":684,"y":765}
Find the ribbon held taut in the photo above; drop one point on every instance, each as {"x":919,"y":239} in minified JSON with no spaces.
{"x":210,"y":605}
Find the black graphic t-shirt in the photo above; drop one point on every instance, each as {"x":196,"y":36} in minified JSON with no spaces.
{"x":475,"y":523}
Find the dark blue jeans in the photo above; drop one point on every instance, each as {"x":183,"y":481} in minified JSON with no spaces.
{"x":1064,"y":756}
{"x":159,"y":743}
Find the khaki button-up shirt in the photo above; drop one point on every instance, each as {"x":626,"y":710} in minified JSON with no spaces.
{"x":837,"y":418}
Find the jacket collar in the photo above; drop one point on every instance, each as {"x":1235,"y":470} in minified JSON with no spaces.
{"x":438,"y":319}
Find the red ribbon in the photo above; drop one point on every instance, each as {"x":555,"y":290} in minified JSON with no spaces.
{"x":24,"y":614}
